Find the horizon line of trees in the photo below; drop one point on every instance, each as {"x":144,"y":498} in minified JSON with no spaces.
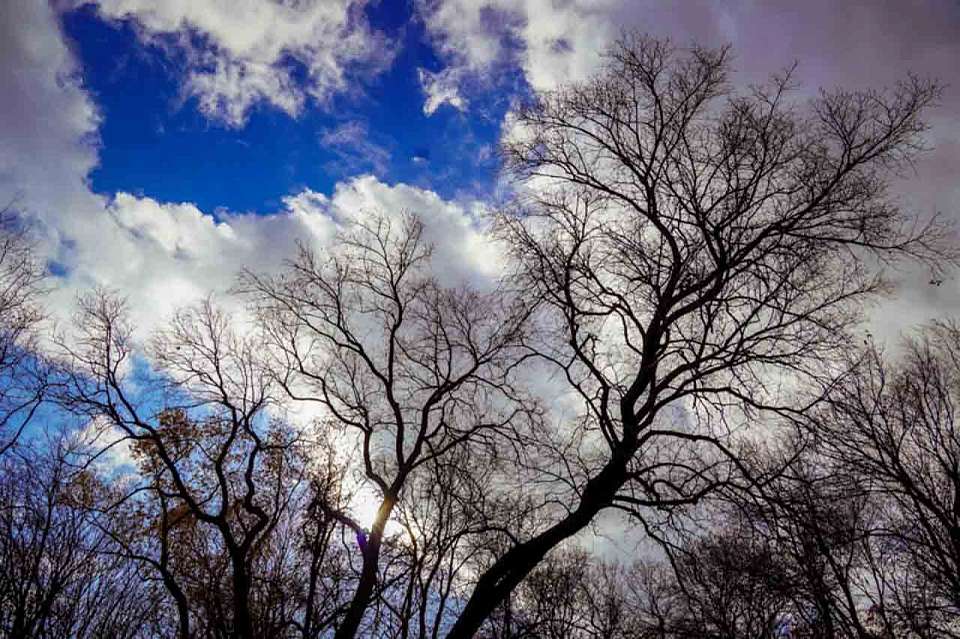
{"x":675,"y":341}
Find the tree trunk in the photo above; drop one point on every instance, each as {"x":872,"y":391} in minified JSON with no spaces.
{"x":368,"y":574}
{"x":496,"y":584}
{"x":183,"y":609}
{"x":242,"y":622}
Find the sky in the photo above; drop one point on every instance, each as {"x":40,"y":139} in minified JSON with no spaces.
{"x":160,"y":146}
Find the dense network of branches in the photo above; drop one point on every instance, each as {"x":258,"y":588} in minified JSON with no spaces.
{"x":672,"y":348}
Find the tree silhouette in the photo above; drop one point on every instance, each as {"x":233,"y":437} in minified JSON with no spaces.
{"x":691,"y":245}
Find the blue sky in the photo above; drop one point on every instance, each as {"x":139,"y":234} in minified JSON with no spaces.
{"x":155,"y":142}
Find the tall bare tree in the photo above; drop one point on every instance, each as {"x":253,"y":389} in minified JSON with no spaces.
{"x":693,"y":247}
{"x":412,"y":368}
{"x":893,"y":424}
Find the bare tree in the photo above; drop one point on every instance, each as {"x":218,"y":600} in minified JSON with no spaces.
{"x":22,"y":374}
{"x":414,"y":369}
{"x":894,"y":426}
{"x":692,"y":247}
{"x":216,"y":470}
{"x":564,"y":597}
{"x":816,"y":520}
{"x":58,"y":574}
{"x":728,"y":584}
{"x":725,"y":584}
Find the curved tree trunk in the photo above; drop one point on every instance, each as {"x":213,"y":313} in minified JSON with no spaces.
{"x":496,"y":584}
{"x":368,"y":574}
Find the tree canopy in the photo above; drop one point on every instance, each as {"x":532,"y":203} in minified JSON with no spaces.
{"x":673,"y":342}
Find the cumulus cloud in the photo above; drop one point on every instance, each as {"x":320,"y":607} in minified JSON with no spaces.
{"x":850,"y":45}
{"x":167,"y":253}
{"x":462,"y":253}
{"x":164,"y":255}
{"x":160,"y":255}
{"x":48,"y":123}
{"x":241,"y":52}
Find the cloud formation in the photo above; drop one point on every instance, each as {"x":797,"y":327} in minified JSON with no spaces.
{"x":848,"y":45}
{"x":552,"y":42}
{"x":241,"y":52}
{"x":164,"y":255}
{"x":442,"y":87}
{"x":245,"y":52}
{"x":160,"y":255}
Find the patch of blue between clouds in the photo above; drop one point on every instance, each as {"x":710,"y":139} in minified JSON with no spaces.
{"x":155,"y":143}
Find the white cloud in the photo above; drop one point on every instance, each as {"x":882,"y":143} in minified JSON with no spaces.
{"x":461,"y":252}
{"x":164,"y":255}
{"x":470,"y":32}
{"x":441,"y":88}
{"x":240,"y":52}
{"x":159,"y":254}
{"x":355,"y":151}
{"x":552,"y":42}
{"x":47,"y":122}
